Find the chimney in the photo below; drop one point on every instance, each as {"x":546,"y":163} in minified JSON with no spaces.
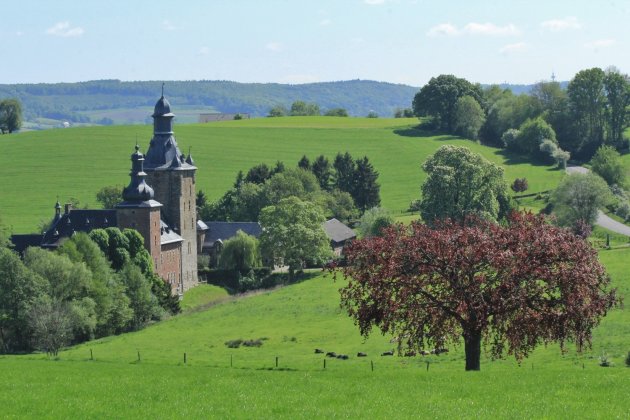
{"x":68,"y":207}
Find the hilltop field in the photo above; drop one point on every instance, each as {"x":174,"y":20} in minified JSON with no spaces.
{"x":182,"y":367}
{"x":38,"y":167}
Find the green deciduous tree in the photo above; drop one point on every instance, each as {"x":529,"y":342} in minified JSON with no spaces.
{"x":109,"y":196}
{"x":301,"y":108}
{"x":437,"y":99}
{"x":278,"y":111}
{"x":20,"y":289}
{"x":51,"y":323}
{"x":578,"y":198}
{"x":10,"y":115}
{"x":459,"y":183}
{"x":373,"y":221}
{"x":607,"y":163}
{"x":292,"y":234}
{"x":469,"y":117}
{"x":587,"y":98}
{"x":617,"y":87}
{"x":336,"y":112}
{"x":531,"y":134}
{"x":240,"y":253}
{"x":141,"y":300}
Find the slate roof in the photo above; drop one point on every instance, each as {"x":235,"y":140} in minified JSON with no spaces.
{"x":21,"y":242}
{"x":337,"y":231}
{"x":77,"y":221}
{"x":226,"y":230}
{"x":168,"y":235}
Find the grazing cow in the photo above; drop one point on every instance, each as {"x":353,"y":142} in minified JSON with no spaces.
{"x":410,"y":353}
{"x":318,"y":351}
{"x":331,"y":354}
{"x":388,"y":353}
{"x":360,"y":354}
{"x":425,"y":353}
{"x":342,"y":356}
{"x":440,"y":351}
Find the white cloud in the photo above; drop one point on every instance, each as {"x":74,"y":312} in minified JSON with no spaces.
{"x":63,"y":29}
{"x":557,"y":25}
{"x":599,"y":43}
{"x":514,"y":48}
{"x":204,"y":51}
{"x":19,"y":33}
{"x":443,"y":29}
{"x":473,"y":28}
{"x":490,"y":29}
{"x":167,"y":25}
{"x":274,"y":46}
{"x":374,"y":2}
{"x":325,"y":22}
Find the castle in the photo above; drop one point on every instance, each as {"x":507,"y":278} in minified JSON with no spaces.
{"x":159,"y":202}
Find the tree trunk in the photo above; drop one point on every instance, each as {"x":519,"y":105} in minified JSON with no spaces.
{"x":472,"y":346}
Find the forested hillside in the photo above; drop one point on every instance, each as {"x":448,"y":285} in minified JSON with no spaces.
{"x":101,"y":102}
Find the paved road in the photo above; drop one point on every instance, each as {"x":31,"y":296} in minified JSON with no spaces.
{"x":602,"y":220}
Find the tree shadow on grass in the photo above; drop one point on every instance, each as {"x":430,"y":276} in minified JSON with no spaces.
{"x":422,"y":131}
{"x":512,"y":158}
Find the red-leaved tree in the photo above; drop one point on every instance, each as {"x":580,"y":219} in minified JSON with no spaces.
{"x":512,"y":287}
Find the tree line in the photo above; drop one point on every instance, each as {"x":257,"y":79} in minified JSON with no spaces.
{"x":92,"y":286}
{"x":343,"y":189}
{"x":549,"y":123}
{"x":71,"y":101}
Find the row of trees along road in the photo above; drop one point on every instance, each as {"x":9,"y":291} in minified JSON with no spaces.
{"x":10,"y":115}
{"x":513,"y":285}
{"x":590,"y":112}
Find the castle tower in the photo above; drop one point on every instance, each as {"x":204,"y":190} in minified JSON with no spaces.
{"x":139,"y":211}
{"x":172,"y":175}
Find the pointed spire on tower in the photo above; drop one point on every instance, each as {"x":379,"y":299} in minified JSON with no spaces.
{"x":189,"y":159}
{"x":57,"y":210}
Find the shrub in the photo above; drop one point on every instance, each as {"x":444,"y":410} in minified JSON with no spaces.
{"x":372,"y":114}
{"x":519,"y":185}
{"x":253,"y":343}
{"x":234,"y":344}
{"x":415,"y":205}
{"x":604,"y":360}
{"x":623,"y":210}
{"x":628,"y":359}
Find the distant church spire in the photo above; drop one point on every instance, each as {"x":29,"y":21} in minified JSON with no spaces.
{"x":138,"y":189}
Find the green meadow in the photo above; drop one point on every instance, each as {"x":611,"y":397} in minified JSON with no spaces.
{"x":37,"y":167}
{"x":182,"y":367}
{"x":144,"y":374}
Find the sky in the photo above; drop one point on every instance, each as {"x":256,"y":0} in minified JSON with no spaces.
{"x":299,"y":41}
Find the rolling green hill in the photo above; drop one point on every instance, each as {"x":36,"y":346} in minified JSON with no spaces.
{"x":39,"y":166}
{"x":132,"y":102}
{"x":217,"y":381}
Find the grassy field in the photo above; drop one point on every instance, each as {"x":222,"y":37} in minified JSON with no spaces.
{"x":39,"y":166}
{"x":217,"y":381}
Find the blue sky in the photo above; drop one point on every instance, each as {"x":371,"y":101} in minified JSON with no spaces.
{"x":399,"y":41}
